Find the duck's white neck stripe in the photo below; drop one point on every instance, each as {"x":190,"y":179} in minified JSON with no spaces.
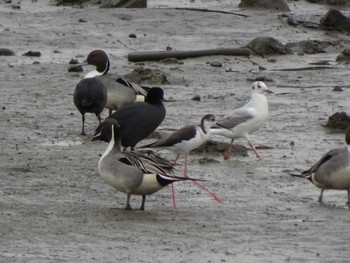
{"x":109,"y":148}
{"x":93,"y":73}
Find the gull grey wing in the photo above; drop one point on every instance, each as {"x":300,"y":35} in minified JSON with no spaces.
{"x":237,"y":117}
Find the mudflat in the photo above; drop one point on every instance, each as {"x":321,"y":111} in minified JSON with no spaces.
{"x":54,"y":207}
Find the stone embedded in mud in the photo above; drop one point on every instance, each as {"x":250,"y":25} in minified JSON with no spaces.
{"x":279,"y":5}
{"x":196,"y":97}
{"x":6,"y":52}
{"x":338,"y":89}
{"x":70,"y":2}
{"x":214,"y":147}
{"x":123,"y":3}
{"x":216,"y":64}
{"x":309,"y":46}
{"x":344,"y":57}
{"x":152,"y":76}
{"x":330,"y":2}
{"x":339,"y":120}
{"x":72,"y":67}
{"x":32,"y":53}
{"x":335,"y":19}
{"x":268,"y":46}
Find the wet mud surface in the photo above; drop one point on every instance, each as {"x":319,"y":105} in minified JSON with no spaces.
{"x":54,"y":207}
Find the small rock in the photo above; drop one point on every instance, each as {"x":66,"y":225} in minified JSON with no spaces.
{"x":132,"y":35}
{"x":260,"y":78}
{"x":216,"y":64}
{"x":268,"y":46}
{"x":309,"y":46}
{"x":207,"y":160}
{"x":335,"y":19}
{"x":171,"y":61}
{"x":32,"y":54}
{"x":344,"y":57}
{"x":124,"y":4}
{"x":196,"y":98}
{"x":81,"y":20}
{"x":322,"y":62}
{"x":330,"y":2}
{"x":73,"y":61}
{"x":6,"y":52}
{"x":339,"y":120}
{"x":73,"y":67}
{"x":36,"y":63}
{"x":154,"y":76}
{"x":338,"y":88}
{"x":214,"y":147}
{"x":280,"y":5}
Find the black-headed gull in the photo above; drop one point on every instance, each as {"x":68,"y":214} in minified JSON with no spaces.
{"x":245,"y":120}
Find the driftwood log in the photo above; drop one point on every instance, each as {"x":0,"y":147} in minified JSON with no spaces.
{"x":159,"y":55}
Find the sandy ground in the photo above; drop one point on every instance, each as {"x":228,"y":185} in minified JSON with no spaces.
{"x":54,"y":207}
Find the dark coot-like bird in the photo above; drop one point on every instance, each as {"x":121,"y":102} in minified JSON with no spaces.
{"x":90,"y":95}
{"x":139,"y":119}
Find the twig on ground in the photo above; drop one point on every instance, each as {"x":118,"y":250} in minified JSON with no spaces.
{"x":207,"y":10}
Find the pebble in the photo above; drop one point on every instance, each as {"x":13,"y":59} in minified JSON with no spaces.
{"x":196,"y":97}
{"x":6,"y":52}
{"x":216,"y":64}
{"x":338,"y":88}
{"x":32,"y":53}
{"x":72,"y":67}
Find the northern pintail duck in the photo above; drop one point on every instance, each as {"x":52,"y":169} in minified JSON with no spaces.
{"x":332,"y":171}
{"x":120,"y":91}
{"x":140,"y":119}
{"x":245,"y":120}
{"x":184,"y":140}
{"x":90,"y":95}
{"x":131,"y":173}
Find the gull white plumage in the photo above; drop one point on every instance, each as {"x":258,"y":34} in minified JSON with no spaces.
{"x":332,"y":171}
{"x":186,"y":139}
{"x":243,"y":121}
{"x":131,"y":173}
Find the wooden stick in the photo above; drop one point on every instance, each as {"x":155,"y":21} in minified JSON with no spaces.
{"x":158,"y":55}
{"x":303,"y":68}
{"x":209,"y":10}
